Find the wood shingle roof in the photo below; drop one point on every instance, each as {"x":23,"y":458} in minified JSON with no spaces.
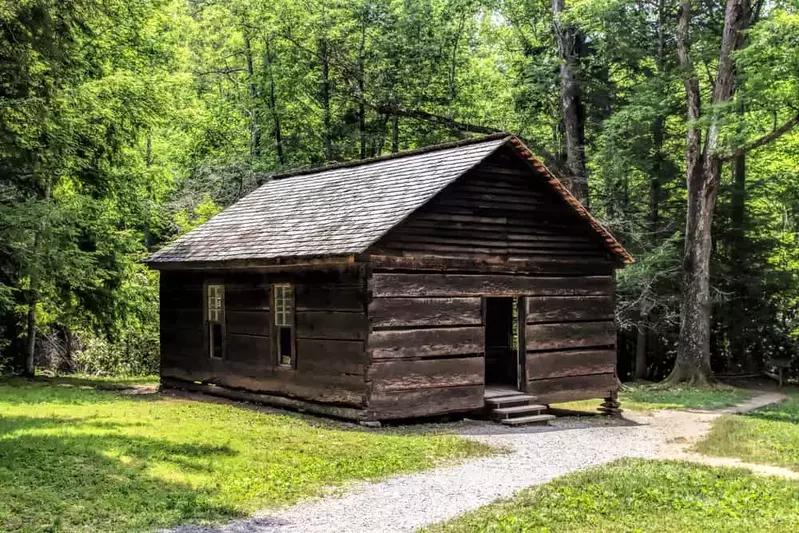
{"x":341,"y":210}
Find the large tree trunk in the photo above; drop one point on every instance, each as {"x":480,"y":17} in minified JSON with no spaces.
{"x":737,"y":333}
{"x":361,"y":90}
{"x":30,"y":341}
{"x":569,"y":41}
{"x":327,"y":141}
{"x":703,"y":176}
{"x":394,"y":134}
{"x":255,"y":130}
{"x":277,"y":134}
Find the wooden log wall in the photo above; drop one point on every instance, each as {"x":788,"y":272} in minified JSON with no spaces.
{"x":571,"y":343}
{"x":330,"y":333}
{"x":426,"y":349}
{"x":498,"y":231}
{"x":501,"y":210}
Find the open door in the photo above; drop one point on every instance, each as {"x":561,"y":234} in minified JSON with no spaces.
{"x":504,"y":342}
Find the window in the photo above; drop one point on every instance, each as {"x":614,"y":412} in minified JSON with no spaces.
{"x":215,"y":317}
{"x":284,"y":323}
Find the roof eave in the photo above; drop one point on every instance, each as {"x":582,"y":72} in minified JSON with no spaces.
{"x":256,"y":263}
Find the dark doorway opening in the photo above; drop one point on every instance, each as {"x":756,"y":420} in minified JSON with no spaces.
{"x":502,"y":340}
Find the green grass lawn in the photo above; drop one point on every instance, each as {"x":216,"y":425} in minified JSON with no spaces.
{"x":643,"y":496}
{"x":648,"y":398}
{"x":73,"y":458}
{"x":767,"y":436}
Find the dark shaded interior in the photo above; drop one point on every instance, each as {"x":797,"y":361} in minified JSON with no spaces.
{"x":501,"y":357}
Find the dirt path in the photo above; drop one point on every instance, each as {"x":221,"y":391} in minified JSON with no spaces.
{"x":535,"y":455}
{"x":681,"y":429}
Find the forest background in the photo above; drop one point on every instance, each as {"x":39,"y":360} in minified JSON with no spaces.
{"x":125,"y":123}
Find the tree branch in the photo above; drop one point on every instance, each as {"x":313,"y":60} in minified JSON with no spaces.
{"x":762,"y":141}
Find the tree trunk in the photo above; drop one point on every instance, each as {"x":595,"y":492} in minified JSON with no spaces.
{"x":361,"y":96}
{"x":640,"y":352}
{"x":703,"y":175}
{"x":255,"y":130}
{"x":737,"y":316}
{"x":569,"y":41}
{"x":30,"y":341}
{"x":277,"y":134}
{"x":394,"y":134}
{"x":327,"y":142}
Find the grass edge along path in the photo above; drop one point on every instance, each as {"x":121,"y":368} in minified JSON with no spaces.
{"x":75,"y":458}
{"x":649,"y":398}
{"x":767,"y":436}
{"x":643,"y":496}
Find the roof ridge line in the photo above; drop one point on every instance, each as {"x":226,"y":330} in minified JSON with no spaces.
{"x":303,"y":171}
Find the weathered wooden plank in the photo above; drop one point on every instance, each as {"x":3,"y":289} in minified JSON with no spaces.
{"x":241,"y":297}
{"x":570,"y":335}
{"x":331,"y":325}
{"x":398,"y":344}
{"x":573,"y":396}
{"x":248,"y":322}
{"x":181,"y":297}
{"x":385,"y":405}
{"x":251,"y":349}
{"x":423,"y":374}
{"x":325,"y":356}
{"x":186,"y":346}
{"x":477,"y":250}
{"x":333,"y":388}
{"x":394,"y":312}
{"x":330,"y":297}
{"x":385,"y":285}
{"x":546,"y":365}
{"x":554,"y":390}
{"x":472,"y":240}
{"x":279,"y":401}
{"x":173,"y":318}
{"x":457,"y":264}
{"x":567,"y":308}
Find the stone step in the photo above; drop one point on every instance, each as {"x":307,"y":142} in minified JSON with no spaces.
{"x":533,"y":419}
{"x":509,"y":412}
{"x":514,"y":399}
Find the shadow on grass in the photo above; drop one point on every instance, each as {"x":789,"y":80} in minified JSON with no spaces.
{"x":65,"y":474}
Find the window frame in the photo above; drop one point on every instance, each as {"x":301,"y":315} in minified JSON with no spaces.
{"x":220,"y":319}
{"x":288,"y":321}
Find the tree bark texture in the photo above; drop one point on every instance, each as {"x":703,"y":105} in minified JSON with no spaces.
{"x":277,"y":134}
{"x":30,"y":341}
{"x":255,"y":130}
{"x":703,"y":172}
{"x":569,"y":41}
{"x":325,"y":98}
{"x":361,"y":105}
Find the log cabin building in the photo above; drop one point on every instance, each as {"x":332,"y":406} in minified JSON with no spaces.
{"x":422,"y":283}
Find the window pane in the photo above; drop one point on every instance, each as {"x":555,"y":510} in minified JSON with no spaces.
{"x":283,"y":305}
{"x":216,"y":340}
{"x":284,"y":345}
{"x":216,"y":300}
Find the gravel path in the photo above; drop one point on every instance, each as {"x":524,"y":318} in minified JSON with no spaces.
{"x":406,"y":503}
{"x":536,"y":455}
